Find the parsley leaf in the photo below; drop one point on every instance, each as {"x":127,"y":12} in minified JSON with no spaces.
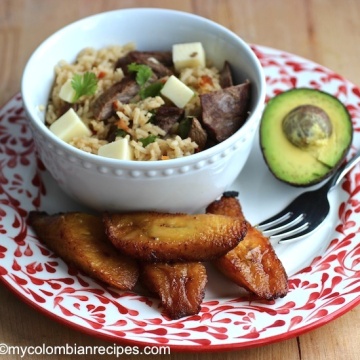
{"x":143,"y":73}
{"x":85,"y":84}
{"x":148,"y":140}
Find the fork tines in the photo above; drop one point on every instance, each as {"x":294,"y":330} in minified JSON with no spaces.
{"x":285,"y":226}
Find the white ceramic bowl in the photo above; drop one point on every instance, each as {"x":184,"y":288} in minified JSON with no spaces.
{"x":185,"y":184}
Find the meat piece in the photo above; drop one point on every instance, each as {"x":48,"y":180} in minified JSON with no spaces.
{"x":225,"y":76}
{"x":159,"y":61}
{"x":198,"y":134}
{"x":180,"y":286}
{"x":65,"y":107}
{"x":123,"y":91}
{"x":112,"y":133}
{"x":167,"y":116}
{"x":165,"y":57}
{"x":224,"y":111}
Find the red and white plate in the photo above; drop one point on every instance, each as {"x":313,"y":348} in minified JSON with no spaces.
{"x":323,"y":269}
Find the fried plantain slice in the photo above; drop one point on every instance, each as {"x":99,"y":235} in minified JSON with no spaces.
{"x":166,"y":237}
{"x":79,"y":239}
{"x":253,"y":263}
{"x":228,"y":205}
{"x":180,"y":286}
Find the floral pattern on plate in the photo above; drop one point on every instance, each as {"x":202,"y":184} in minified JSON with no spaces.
{"x":324,"y":282}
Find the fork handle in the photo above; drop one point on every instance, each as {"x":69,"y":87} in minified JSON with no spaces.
{"x":343,"y":170}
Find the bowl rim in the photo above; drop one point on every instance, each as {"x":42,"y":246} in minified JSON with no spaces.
{"x":219,"y":148}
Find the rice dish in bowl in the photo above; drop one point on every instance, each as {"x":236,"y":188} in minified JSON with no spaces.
{"x":118,"y":92}
{"x":179,"y":184}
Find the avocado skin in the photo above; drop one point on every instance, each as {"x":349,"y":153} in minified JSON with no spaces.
{"x":301,"y":167}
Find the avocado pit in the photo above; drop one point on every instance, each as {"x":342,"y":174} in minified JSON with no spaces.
{"x":307,"y":125}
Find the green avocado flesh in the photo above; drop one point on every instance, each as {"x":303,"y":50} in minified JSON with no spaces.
{"x":315,"y":160}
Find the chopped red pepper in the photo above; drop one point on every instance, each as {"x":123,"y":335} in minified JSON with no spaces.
{"x":206,"y":80}
{"x":101,"y":74}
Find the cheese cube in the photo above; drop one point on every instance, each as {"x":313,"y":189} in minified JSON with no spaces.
{"x":69,"y":125}
{"x":118,"y":149}
{"x":188,"y":55}
{"x":177,"y":92}
{"x":67,"y":93}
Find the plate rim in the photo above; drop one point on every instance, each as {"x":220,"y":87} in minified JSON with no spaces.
{"x":188,"y":348}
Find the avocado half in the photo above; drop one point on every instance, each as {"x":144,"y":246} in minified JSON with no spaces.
{"x":305,"y":135}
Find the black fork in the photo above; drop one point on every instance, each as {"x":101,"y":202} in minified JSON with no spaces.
{"x":306,"y":212}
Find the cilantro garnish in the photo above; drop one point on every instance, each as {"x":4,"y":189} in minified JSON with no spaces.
{"x":121,"y":133}
{"x":151,"y":90}
{"x":152,"y":119}
{"x":143,"y":75}
{"x":148,"y":140}
{"x":85,"y":84}
{"x":184,"y":127}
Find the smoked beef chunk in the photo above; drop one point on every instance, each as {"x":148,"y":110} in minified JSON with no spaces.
{"x":226,"y":79}
{"x":65,"y":107}
{"x":167,"y":116}
{"x":198,"y":134}
{"x":224,"y":111}
{"x":122,"y":91}
{"x":160,"y":62}
{"x":112,"y":133}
